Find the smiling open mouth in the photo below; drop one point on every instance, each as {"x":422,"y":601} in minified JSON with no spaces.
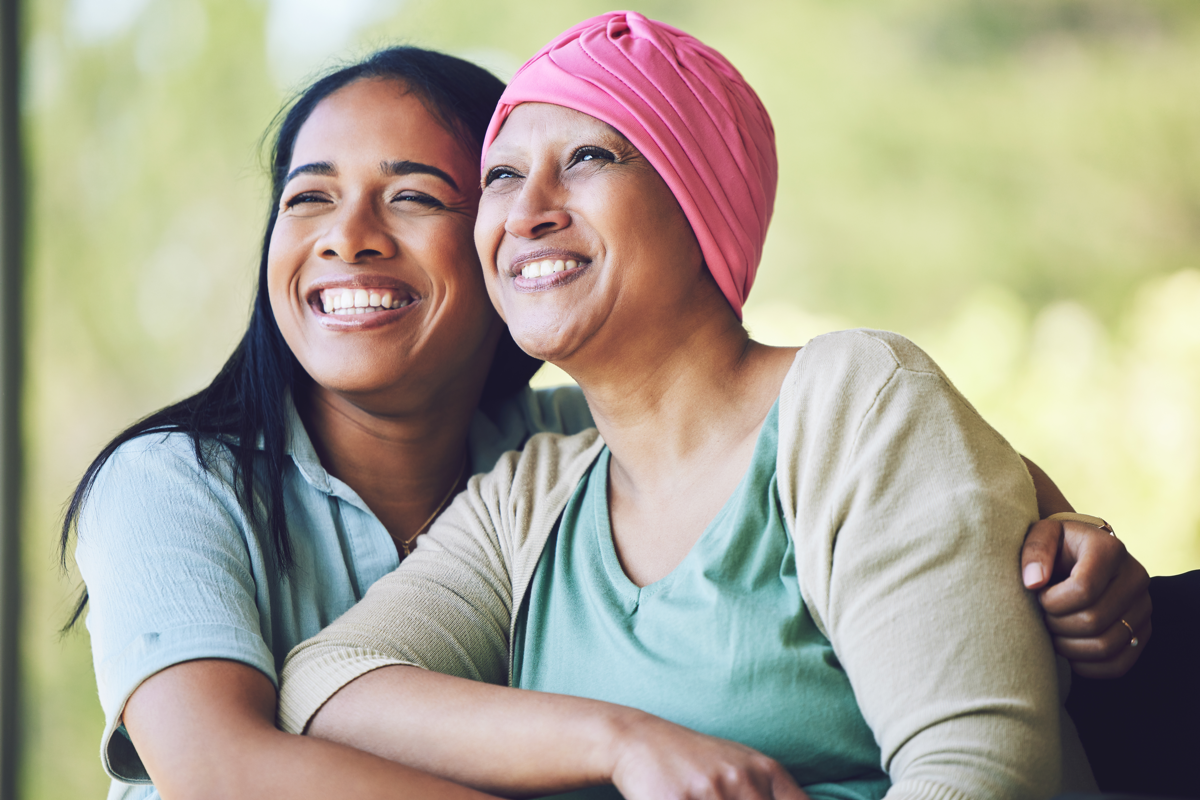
{"x":347,"y":302}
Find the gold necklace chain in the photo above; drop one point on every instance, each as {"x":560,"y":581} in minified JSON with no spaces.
{"x":407,"y":544}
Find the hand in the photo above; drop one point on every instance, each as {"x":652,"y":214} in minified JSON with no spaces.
{"x":1088,"y":584}
{"x":659,"y":759}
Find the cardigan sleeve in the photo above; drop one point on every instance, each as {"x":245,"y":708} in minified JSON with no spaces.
{"x":909,"y":512}
{"x":449,"y":606}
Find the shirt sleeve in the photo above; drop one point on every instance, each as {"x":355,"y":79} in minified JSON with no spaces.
{"x":163,"y":551}
{"x":910,"y":512}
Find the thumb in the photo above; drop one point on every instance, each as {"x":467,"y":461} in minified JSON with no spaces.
{"x":1040,"y":552}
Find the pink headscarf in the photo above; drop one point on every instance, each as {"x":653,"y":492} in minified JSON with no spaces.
{"x":686,"y":109}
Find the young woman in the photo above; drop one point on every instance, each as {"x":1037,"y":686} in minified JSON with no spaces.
{"x":373,"y":379}
{"x":219,"y":532}
{"x":789,"y":548}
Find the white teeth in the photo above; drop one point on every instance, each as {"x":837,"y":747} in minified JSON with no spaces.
{"x":360,"y":301}
{"x":540,"y":269}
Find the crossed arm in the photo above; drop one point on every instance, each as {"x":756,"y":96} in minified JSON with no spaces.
{"x":207,"y":728}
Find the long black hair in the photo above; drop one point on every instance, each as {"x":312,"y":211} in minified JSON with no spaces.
{"x":246,"y":403}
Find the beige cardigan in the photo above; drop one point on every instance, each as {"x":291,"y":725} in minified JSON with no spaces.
{"x":907,"y":512}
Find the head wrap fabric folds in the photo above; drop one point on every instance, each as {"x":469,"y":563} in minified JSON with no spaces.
{"x":687,"y":110}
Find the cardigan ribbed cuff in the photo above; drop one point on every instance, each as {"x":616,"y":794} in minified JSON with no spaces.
{"x":308,"y":685}
{"x":925,"y":790}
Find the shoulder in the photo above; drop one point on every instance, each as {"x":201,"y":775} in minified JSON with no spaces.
{"x":157,"y":488}
{"x":557,"y":409}
{"x":153,"y":461}
{"x":865,"y":354}
{"x":507,"y":426}
{"x":850,"y":374}
{"x":546,"y":463}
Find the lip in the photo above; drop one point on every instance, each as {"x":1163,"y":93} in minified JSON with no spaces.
{"x":542,"y":283}
{"x":368,"y":320}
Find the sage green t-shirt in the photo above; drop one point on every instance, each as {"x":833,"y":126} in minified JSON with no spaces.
{"x":723,"y":644}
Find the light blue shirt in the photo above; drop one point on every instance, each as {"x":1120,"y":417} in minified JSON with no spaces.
{"x":175,"y":570}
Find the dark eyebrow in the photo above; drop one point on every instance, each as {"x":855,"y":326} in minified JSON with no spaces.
{"x":414,"y":168}
{"x":325,"y":168}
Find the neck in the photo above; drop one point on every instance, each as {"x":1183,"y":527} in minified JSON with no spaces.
{"x":676,"y":395}
{"x":402,"y":464}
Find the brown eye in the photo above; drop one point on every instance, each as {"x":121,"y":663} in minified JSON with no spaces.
{"x":306,"y":204}
{"x":305,"y":197}
{"x":592,"y":153}
{"x":499,"y":173}
{"x":417,"y":197}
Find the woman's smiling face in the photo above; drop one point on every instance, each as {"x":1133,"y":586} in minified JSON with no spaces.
{"x":371,"y":273}
{"x":578,"y":233}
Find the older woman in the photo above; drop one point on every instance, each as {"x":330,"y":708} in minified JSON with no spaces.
{"x":789,"y":548}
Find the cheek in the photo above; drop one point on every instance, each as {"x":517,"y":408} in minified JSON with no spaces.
{"x":279,"y":274}
{"x":489,"y":231}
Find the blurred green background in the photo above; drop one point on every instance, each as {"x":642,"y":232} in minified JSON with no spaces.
{"x":1013,"y":184}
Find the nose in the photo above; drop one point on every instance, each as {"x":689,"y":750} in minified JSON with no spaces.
{"x":357,"y":234}
{"x":538,"y":209}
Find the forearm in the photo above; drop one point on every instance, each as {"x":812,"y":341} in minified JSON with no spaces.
{"x":491,"y":737}
{"x":1050,"y":498}
{"x":206,"y":729}
{"x":271,"y":763}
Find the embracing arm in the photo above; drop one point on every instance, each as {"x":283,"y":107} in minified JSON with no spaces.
{"x":410,"y":672}
{"x":517,"y":742}
{"x":207,"y":729}
{"x":181,"y":663}
{"x":1087,"y":582}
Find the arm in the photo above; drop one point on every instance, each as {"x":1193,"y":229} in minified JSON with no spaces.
{"x":529,"y":743}
{"x":207,"y":729}
{"x":448,"y":610}
{"x":1093,"y":583}
{"x":180,"y":659}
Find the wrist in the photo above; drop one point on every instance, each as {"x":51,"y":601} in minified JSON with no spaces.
{"x":621,"y":731}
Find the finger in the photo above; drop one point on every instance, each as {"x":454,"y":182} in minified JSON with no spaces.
{"x":1128,"y":588}
{"x":784,"y":787}
{"x":1040,"y":552}
{"x":1120,"y":664}
{"x":1111,"y":641}
{"x":1091,"y":559}
{"x":754,"y":779}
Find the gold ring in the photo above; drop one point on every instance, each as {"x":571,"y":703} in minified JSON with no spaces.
{"x":1133,"y":642}
{"x":1087,"y":519}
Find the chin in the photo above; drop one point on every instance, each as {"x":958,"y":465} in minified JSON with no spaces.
{"x":549,"y":346}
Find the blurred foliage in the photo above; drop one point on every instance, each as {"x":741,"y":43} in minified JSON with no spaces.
{"x":1015,"y":184}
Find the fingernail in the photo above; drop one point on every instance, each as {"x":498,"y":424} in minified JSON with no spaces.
{"x":1033,"y":575}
